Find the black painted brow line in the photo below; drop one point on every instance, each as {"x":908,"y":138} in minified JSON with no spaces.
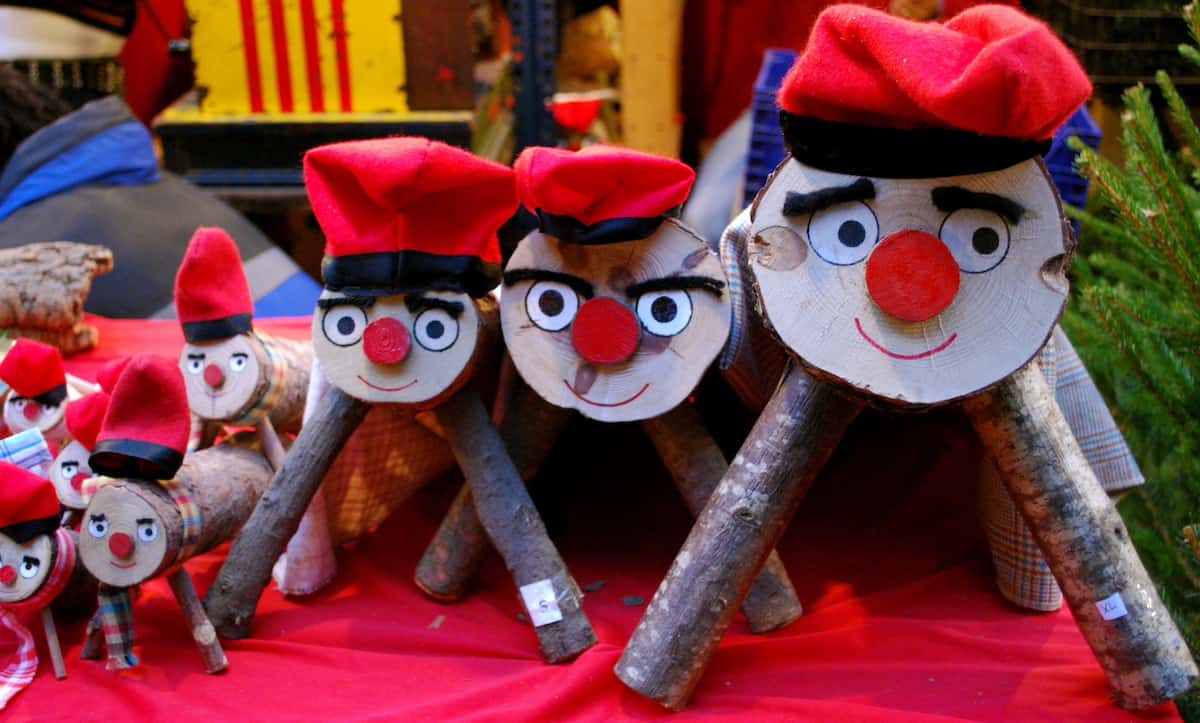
{"x":798,"y":204}
{"x":364,"y":302}
{"x":142,"y":520}
{"x":420,"y":303}
{"x":677,"y":283}
{"x":197,"y":357}
{"x":949,"y":199}
{"x":582,"y":287}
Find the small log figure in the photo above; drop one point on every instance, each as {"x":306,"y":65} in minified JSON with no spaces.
{"x":43,"y":287}
{"x":37,"y":389}
{"x":615,"y":309}
{"x":915,"y":268}
{"x":153,"y":510}
{"x":71,"y":469}
{"x":399,"y":323}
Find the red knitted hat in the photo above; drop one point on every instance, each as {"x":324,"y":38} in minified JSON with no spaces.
{"x":35,"y":370}
{"x":109,"y":373}
{"x":28,"y":504}
{"x":407,"y":214}
{"x":877,"y":95}
{"x":601,"y":194}
{"x":145,"y":430}
{"x":212,"y":296}
{"x":84,"y":416}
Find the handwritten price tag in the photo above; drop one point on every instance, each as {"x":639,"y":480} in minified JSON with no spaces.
{"x":541,"y":602}
{"x":1112,"y":607}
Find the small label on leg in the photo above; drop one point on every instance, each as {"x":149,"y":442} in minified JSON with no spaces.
{"x":541,"y":602}
{"x":1112,"y":607}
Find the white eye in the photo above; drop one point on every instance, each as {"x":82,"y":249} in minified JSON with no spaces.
{"x":551,"y":305}
{"x":978,"y":239}
{"x":147,"y":531}
{"x":29,"y":567}
{"x":435,"y":329}
{"x":344,"y":325}
{"x":98,"y":527}
{"x":238,"y":362}
{"x":17,"y":404}
{"x":664,"y":313}
{"x":843,"y":234}
{"x":68,"y":469}
{"x":195,"y":365}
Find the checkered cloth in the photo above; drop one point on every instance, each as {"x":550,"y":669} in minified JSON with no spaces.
{"x":276,"y":384}
{"x":19,"y":673}
{"x":752,"y":363}
{"x":27,"y":450}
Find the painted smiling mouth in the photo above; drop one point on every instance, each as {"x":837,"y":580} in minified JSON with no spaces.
{"x":123,"y":567}
{"x":388,"y":389}
{"x":602,"y":404}
{"x":906,"y":357}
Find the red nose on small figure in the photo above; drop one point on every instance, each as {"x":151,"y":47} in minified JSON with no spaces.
{"x":32,"y":410}
{"x":8,"y":575}
{"x":121,"y":545}
{"x":386,"y":342}
{"x":912,"y":276}
{"x":213,"y":376}
{"x":78,"y":480}
{"x":605,"y":332}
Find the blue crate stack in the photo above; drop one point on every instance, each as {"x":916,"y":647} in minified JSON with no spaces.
{"x":1061,"y":159}
{"x":766,"y":138}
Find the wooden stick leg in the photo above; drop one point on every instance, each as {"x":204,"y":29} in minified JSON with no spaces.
{"x":56,"y":656}
{"x":696,"y":464}
{"x":740,"y":524}
{"x":272,"y":447}
{"x":202,"y":630}
{"x":93,"y":641}
{"x":1084,"y":540}
{"x":516,"y":529}
{"x":234,"y":595}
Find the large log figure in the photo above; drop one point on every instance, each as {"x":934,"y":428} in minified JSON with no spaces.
{"x":914,"y":268}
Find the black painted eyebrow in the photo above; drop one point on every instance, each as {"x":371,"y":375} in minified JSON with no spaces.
{"x":363,"y":302}
{"x":31,"y":558}
{"x":16,"y":397}
{"x":676,"y":283}
{"x":417,"y":304}
{"x":198,"y":357}
{"x":144,"y":520}
{"x":582,"y":287}
{"x":99,"y":518}
{"x":798,"y":204}
{"x":949,"y":199}
{"x":240,"y":353}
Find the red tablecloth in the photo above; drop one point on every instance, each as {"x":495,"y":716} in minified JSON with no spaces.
{"x":902,"y":619}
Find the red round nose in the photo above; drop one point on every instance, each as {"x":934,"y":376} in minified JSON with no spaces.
{"x":31,"y":410}
{"x":213,"y":376}
{"x":8,"y":575}
{"x":605,"y":332}
{"x":121,"y":545}
{"x":386,"y":341}
{"x":912,"y":276}
{"x":78,"y":480}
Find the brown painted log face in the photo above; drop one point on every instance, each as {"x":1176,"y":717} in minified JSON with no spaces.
{"x":1085,"y":542}
{"x":739,"y":526}
{"x":234,"y":594}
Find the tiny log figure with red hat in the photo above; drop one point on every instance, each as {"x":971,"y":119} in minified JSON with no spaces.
{"x":38,"y":389}
{"x":912,"y":252}
{"x":411,"y":250}
{"x":153,"y":510}
{"x":39,"y":567}
{"x":615,"y":309}
{"x":71,"y":468}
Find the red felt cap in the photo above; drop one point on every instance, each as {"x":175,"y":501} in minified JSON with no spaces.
{"x":109,"y":373}
{"x":405,"y":214}
{"x":145,"y":430}
{"x":601,"y":194}
{"x":35,"y":370}
{"x":212,"y":295}
{"x":28,"y":503}
{"x":84,"y":416}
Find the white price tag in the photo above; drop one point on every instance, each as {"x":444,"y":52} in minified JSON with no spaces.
{"x":1112,"y":607}
{"x":541,"y":603}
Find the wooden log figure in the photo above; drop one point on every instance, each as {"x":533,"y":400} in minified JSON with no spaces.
{"x":70,"y":468}
{"x":614,"y":308}
{"x":151,"y":510}
{"x":37,"y":389}
{"x":411,"y":244}
{"x":912,"y":252}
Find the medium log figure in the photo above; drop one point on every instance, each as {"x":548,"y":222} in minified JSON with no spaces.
{"x":398,"y":323}
{"x":912,"y":252}
{"x":37,"y":389}
{"x":70,"y":468}
{"x":615,"y":309}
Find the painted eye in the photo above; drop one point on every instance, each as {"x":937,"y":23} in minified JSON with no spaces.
{"x":147,"y":531}
{"x":843,"y":234}
{"x":69,"y":469}
{"x":978,"y":239}
{"x":344,"y":325}
{"x":195,"y":363}
{"x":664,"y":313}
{"x":238,"y":362}
{"x":551,"y":305}
{"x":29,"y":567}
{"x":435,"y":329}
{"x":98,"y":527}
{"x":17,"y":404}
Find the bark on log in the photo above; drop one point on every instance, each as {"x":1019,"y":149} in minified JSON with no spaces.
{"x":1084,"y":540}
{"x":69,"y":340}
{"x":513,"y":523}
{"x":288,"y":411}
{"x":44,"y":285}
{"x":696,"y":465}
{"x":743,"y":520}
{"x":234,"y":594}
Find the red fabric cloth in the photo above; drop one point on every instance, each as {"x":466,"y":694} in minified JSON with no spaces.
{"x":902,"y":619}
{"x":84,"y":416}
{"x":24,"y":497}
{"x":32,"y":368}
{"x":148,"y":407}
{"x":211,"y":284}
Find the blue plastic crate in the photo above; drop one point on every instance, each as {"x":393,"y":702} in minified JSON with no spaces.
{"x":766,"y":139}
{"x":1061,"y":159}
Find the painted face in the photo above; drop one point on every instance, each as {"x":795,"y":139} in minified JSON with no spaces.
{"x":122,"y":541}
{"x":22,"y":413}
{"x":406,"y":349}
{"x":919,"y":291}
{"x":68,"y":472}
{"x":23,"y":568}
{"x":620,"y":332}
{"x":221,"y":376}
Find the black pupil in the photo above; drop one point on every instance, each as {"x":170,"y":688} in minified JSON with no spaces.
{"x":551,"y":303}
{"x":663,"y":309}
{"x":985,"y":240}
{"x":435,"y":329}
{"x":852,"y":233}
{"x":345,"y":325}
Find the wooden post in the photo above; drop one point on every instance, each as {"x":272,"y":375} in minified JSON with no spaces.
{"x":696,"y":465}
{"x":56,"y":656}
{"x":234,"y":594}
{"x":1084,"y":540}
{"x":202,"y":630}
{"x":743,"y":520}
{"x":514,"y":526}
{"x":272,"y":448}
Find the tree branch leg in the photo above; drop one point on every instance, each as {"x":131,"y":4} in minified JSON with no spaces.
{"x":202,"y":629}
